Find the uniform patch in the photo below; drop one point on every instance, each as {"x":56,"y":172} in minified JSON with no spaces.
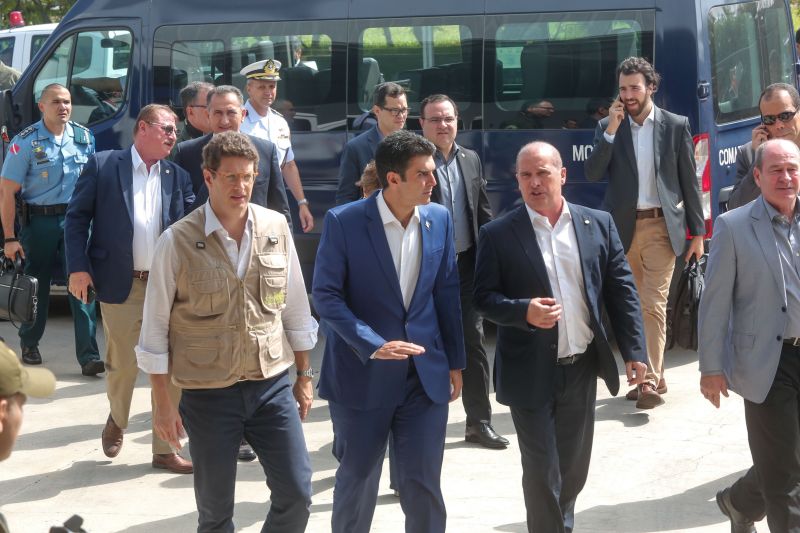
{"x":14,"y":149}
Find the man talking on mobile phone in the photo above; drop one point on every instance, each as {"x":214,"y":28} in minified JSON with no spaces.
{"x":778,"y":105}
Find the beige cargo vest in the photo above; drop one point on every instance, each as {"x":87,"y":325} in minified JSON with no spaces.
{"x":223,"y":329}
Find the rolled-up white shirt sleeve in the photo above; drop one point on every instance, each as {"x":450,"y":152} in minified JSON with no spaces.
{"x":152,"y":352}
{"x":608,"y":137}
{"x":298,"y":324}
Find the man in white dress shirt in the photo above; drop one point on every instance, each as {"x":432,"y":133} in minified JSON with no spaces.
{"x":109,"y":253}
{"x":261,"y":120}
{"x":226,"y":317}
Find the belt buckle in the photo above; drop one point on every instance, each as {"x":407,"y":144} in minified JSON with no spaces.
{"x":141,"y":275}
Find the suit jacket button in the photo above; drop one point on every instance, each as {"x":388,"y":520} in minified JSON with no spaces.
{"x":779,"y":337}
{"x":783,"y":308}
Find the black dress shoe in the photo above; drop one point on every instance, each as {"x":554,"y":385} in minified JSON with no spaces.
{"x":246,"y":452}
{"x":483,"y":433}
{"x":93,"y":367}
{"x":31,"y":355}
{"x":739,"y":522}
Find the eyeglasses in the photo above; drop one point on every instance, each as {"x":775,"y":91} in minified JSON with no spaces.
{"x":396,"y":111}
{"x":168,"y":129}
{"x":784,"y":117}
{"x":440,"y":120}
{"x":234,"y":179}
{"x":197,"y":105}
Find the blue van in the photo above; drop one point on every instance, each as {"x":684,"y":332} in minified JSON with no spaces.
{"x":519,"y":71}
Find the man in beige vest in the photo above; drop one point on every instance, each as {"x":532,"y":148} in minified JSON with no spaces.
{"x":226,"y":315}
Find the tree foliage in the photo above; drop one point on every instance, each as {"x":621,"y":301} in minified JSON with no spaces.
{"x":35,"y":11}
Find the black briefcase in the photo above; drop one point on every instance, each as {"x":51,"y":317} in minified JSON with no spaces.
{"x":18,"y":292}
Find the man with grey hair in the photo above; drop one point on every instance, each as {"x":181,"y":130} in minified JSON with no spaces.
{"x":543,"y":274}
{"x":193,"y":98}
{"x":751,"y":300}
{"x":778,"y":105}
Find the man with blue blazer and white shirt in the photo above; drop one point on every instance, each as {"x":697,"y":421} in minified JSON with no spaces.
{"x":391,"y":110}
{"x":543,"y":274}
{"x":386,"y":284}
{"x":749,"y":337}
{"x":122,"y":202}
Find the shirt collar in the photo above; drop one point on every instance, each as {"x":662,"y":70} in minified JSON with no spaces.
{"x":213,"y":224}
{"x":535,"y":215}
{"x":44,"y":133}
{"x":387,"y":217}
{"x":453,"y":153}
{"x":138,"y":161}
{"x":651,"y":117}
{"x":775,"y":215}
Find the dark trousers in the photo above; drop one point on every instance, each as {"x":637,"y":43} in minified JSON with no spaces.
{"x":418,"y":429}
{"x":42,"y":240}
{"x":772,"y":485}
{"x":555,"y":441}
{"x":265,"y":413}
{"x":475,"y":394}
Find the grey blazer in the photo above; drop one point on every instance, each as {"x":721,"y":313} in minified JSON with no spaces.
{"x":745,"y":189}
{"x":678,"y":189}
{"x":742,"y":313}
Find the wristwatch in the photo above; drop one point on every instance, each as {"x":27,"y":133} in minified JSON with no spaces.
{"x":307,"y":373}
{"x":304,"y":201}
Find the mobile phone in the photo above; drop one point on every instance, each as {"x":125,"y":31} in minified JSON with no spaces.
{"x":90,"y":295}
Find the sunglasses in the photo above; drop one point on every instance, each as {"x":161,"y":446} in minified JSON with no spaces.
{"x":784,"y":117}
{"x":168,"y":129}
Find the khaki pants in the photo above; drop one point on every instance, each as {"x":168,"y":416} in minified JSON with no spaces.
{"x":122,"y":324}
{"x":652,"y":261}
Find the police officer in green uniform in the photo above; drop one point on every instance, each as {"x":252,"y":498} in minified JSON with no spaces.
{"x":42,"y":164}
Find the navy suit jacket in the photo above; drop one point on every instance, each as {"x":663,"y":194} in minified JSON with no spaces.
{"x":268,"y":191}
{"x":510,"y":271}
{"x":357,"y":294}
{"x":99,"y":235}
{"x":357,"y":153}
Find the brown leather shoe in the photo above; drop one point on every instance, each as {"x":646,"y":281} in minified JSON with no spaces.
{"x":172,"y":462}
{"x":633,"y":394}
{"x":111,"y":438}
{"x":648,"y":397}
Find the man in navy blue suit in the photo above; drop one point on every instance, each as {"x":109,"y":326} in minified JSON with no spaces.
{"x":544,"y":271}
{"x":391,"y":110}
{"x":122,"y":202}
{"x":395,"y":350}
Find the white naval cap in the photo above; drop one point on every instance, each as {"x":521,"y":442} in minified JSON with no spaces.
{"x":268,"y":69}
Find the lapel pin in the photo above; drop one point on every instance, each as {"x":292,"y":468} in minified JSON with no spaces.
{"x":200,"y":245}
{"x":427,"y":224}
{"x":586,"y":221}
{"x":166,"y":171}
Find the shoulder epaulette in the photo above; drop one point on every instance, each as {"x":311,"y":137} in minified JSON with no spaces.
{"x":27,"y":131}
{"x":82,"y":133}
{"x":276,"y":112}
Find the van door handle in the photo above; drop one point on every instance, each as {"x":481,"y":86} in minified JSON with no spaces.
{"x":703,"y":90}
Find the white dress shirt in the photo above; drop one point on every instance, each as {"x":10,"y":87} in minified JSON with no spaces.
{"x":406,"y":247}
{"x":559,"y":247}
{"x":644,"y":148}
{"x":152,"y":352}
{"x":272,"y":127}
{"x":146,"y":210}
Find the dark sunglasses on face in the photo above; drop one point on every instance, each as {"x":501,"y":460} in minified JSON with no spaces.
{"x":784,"y":117}
{"x":168,"y":129}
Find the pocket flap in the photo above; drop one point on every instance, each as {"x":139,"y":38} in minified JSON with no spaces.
{"x":273,"y":260}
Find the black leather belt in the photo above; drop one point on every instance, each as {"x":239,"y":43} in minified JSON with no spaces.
{"x":792,"y":341}
{"x":570,"y":359}
{"x":141,"y":274}
{"x":48,"y":210}
{"x":653,"y":212}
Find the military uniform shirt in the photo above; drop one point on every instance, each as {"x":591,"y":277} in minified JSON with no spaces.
{"x":272,"y":127}
{"x":45,"y":168}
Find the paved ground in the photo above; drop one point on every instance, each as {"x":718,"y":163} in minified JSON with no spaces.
{"x":651,"y":471}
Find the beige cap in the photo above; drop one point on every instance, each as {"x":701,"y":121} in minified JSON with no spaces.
{"x":267,"y":69}
{"x":15,"y":378}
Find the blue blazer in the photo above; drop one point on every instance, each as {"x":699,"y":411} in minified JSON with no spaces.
{"x":98,"y":234}
{"x":357,"y":153}
{"x":510,"y":271}
{"x":357,"y":294}
{"x":743,"y":311}
{"x":268,"y":191}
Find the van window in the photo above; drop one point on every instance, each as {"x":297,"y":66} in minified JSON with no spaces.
{"x":312,"y":56}
{"x":94,"y":66}
{"x":7,"y":50}
{"x":36,"y":43}
{"x":426,"y":57}
{"x":746,"y":57}
{"x":547,"y":70}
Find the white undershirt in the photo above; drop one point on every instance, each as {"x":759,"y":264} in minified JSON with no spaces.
{"x":406,"y":247}
{"x":559,"y":247}
{"x":146,"y":210}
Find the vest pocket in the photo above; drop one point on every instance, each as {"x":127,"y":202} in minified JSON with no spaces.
{"x":273,"y":269}
{"x":201,"y":356}
{"x":208,"y":292}
{"x":270,"y":343}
